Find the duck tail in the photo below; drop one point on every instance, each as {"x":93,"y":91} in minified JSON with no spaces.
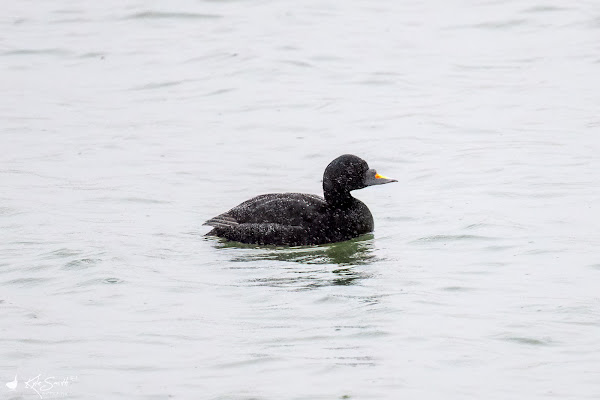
{"x":222,"y":221}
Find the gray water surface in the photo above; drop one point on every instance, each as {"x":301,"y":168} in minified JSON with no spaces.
{"x":125,"y":125}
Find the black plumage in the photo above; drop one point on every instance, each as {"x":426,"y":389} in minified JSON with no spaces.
{"x":297,"y":219}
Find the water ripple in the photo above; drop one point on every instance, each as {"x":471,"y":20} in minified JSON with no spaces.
{"x":171,"y":15}
{"x":529,"y":340}
{"x":37,"y":52}
{"x":452,"y":238}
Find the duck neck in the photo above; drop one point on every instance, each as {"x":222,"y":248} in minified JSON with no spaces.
{"x":336,"y":196}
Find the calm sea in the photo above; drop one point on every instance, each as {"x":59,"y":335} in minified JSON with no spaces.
{"x":124,"y":125}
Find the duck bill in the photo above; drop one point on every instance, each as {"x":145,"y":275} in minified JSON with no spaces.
{"x":374,"y":178}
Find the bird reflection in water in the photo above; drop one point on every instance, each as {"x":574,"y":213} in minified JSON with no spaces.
{"x":345,"y":256}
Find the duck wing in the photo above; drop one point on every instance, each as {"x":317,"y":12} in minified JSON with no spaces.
{"x":279,"y":208}
{"x":276,"y":218}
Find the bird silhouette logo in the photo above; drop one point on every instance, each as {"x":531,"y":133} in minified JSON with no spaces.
{"x":12,"y":385}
